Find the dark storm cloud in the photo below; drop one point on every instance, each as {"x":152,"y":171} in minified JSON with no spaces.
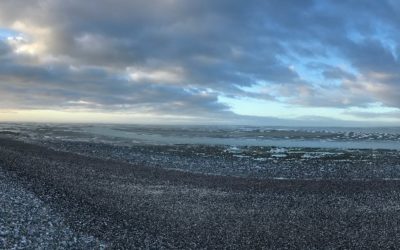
{"x":180,"y":56}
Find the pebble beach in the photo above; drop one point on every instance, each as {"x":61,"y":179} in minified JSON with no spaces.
{"x":53,"y":197}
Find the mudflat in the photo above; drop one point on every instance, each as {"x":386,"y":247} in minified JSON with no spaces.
{"x":120,"y":205}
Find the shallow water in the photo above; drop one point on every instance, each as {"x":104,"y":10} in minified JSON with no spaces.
{"x":311,"y":137}
{"x":363,"y":141}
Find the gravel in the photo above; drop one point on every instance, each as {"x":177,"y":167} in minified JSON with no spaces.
{"x":27,"y":222}
{"x":254,"y":162}
{"x":131,"y":206}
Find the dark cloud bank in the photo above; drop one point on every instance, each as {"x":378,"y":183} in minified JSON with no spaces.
{"x":178,"y":57}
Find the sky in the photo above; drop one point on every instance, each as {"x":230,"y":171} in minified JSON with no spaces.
{"x":274,"y":62}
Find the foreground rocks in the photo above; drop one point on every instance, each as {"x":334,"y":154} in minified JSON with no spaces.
{"x":131,"y":206}
{"x":27,"y":222}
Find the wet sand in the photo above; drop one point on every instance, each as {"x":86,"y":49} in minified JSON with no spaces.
{"x":132,"y":206}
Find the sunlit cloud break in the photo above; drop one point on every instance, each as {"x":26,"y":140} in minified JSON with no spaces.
{"x":257,"y":62}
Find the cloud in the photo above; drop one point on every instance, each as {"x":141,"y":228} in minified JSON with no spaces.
{"x":176,"y":56}
{"x":374,"y":115}
{"x":330,"y":72}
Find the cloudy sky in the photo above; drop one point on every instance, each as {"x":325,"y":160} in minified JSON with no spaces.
{"x":207,"y":61}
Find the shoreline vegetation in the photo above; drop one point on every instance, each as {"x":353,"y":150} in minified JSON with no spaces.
{"x":123,"y":205}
